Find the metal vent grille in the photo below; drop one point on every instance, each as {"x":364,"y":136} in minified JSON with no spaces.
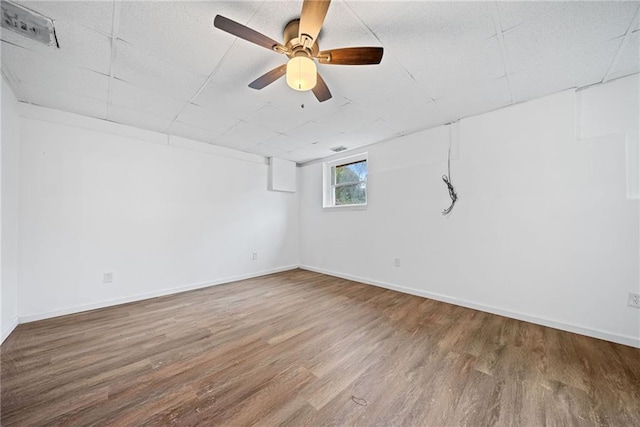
{"x":28,"y":23}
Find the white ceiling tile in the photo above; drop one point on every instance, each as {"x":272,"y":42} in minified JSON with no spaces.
{"x":271,"y":18}
{"x":422,"y":23}
{"x":149,"y":71}
{"x":571,"y":31}
{"x":83,"y":47}
{"x":375,"y":131}
{"x":315,"y":151}
{"x":245,"y":62}
{"x":302,"y":107}
{"x":341,"y":28}
{"x":236,"y":100}
{"x":150,"y":103}
{"x":358,"y":82}
{"x":79,"y":46}
{"x":284,"y":143}
{"x":409,"y":114}
{"x":472,"y":101}
{"x":451,"y":65}
{"x":376,"y":13}
{"x":95,"y":14}
{"x":311,"y":132}
{"x":514,"y":13}
{"x":47,"y":96}
{"x":190,"y":131}
{"x":571,"y":71}
{"x":307,"y":154}
{"x":31,"y":69}
{"x":138,"y":119}
{"x":213,"y":122}
{"x":629,"y":60}
{"x":182,"y":32}
{"x":239,"y":145}
{"x":302,"y":157}
{"x":403,"y":103}
{"x":245,"y":133}
{"x":265,"y":150}
{"x":420,"y":20}
{"x":349,"y":117}
{"x":270,"y":117}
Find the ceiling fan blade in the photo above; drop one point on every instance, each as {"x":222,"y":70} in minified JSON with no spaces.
{"x":311,"y":18}
{"x":320,"y":90}
{"x":239,"y":30}
{"x":351,"y":56}
{"x":269,"y":77}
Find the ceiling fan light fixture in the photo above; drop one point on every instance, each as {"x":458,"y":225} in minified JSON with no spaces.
{"x":302,"y":73}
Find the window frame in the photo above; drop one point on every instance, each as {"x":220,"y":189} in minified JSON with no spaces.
{"x":329,"y":187}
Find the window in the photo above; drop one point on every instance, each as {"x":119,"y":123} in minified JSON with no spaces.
{"x":345,"y":182}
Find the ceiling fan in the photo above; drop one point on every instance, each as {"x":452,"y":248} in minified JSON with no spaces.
{"x":301,"y":47}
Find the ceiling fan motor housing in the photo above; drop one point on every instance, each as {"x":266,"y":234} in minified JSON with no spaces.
{"x":294,"y":44}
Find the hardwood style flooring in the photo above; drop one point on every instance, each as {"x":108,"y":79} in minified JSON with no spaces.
{"x":305,"y":349}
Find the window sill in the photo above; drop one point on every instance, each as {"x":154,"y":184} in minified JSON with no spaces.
{"x":345,"y":208}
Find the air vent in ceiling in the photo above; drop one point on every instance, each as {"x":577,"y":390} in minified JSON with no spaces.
{"x":338,"y":149}
{"x":28,"y":23}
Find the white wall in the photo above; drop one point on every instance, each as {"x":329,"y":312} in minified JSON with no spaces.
{"x":10,"y":145}
{"x":162,"y":213}
{"x":542,"y":230}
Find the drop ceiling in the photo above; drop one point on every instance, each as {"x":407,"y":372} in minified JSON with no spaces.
{"x":162,"y":66}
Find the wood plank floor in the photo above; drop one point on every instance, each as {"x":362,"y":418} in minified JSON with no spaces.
{"x":300,"y":348}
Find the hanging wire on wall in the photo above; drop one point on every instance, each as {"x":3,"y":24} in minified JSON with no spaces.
{"x":447,"y":179}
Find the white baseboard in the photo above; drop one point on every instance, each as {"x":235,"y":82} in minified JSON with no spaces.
{"x":595,"y":333}
{"x":6,"y":331}
{"x":140,"y":297}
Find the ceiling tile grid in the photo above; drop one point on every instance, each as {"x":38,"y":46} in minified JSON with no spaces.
{"x":571,"y":71}
{"x":66,"y":101}
{"x":628,"y":61}
{"x":284,"y":143}
{"x":214,"y":123}
{"x":236,"y":101}
{"x":132,"y":97}
{"x":57,"y":75}
{"x":79,"y":46}
{"x":137,"y":117}
{"x":181,"y":31}
{"x":164,"y":66}
{"x":153,"y":73}
{"x":244,"y":133}
{"x":577,"y":27}
{"x":96,"y":14}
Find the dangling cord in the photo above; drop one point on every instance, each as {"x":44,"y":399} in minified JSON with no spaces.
{"x":447,"y":179}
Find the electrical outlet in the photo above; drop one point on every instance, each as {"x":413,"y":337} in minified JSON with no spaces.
{"x":255,"y":256}
{"x":396,"y":262}
{"x":107,"y":278}
{"x":634,"y":299}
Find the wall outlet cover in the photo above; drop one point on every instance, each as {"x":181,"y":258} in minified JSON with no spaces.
{"x":634,"y":299}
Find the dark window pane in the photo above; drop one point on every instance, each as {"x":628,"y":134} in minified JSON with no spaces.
{"x":352,"y":172}
{"x":351,"y":194}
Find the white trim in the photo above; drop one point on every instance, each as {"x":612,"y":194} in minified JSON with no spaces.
{"x":7,"y":331}
{"x":328,"y":187}
{"x":360,"y":207}
{"x":595,"y":333}
{"x":155,"y":294}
